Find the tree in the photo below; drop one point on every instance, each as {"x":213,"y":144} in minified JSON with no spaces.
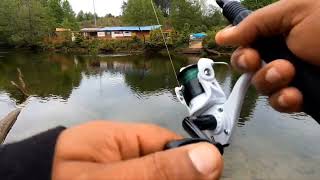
{"x":80,"y":16}
{"x":28,"y":22}
{"x":88,"y":16}
{"x":69,"y":19}
{"x":185,"y":11}
{"x":109,"y":15}
{"x":67,"y":10}
{"x":6,"y":9}
{"x":164,"y":6}
{"x":140,"y":12}
{"x":24,"y":22}
{"x":55,"y":10}
{"x":124,"y":6}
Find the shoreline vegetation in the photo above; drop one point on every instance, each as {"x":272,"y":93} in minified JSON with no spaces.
{"x":32,"y":24}
{"x":152,"y":44}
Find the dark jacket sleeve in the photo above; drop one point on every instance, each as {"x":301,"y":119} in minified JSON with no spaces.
{"x":29,"y":159}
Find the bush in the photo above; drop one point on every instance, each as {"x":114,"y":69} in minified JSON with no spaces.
{"x":78,"y":39}
{"x":209,"y":42}
{"x":155,"y":40}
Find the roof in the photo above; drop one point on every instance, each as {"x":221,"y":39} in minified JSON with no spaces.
{"x":199,"y":35}
{"x":131,"y":28}
{"x":91,"y":29}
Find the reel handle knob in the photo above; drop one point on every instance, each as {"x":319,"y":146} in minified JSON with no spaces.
{"x":188,"y":141}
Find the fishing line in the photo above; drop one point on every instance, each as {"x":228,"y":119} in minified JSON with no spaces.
{"x":165,"y":42}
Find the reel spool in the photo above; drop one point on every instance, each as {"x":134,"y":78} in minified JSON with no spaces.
{"x":191,"y":87}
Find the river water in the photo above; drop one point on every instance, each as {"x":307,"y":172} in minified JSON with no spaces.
{"x":69,"y":89}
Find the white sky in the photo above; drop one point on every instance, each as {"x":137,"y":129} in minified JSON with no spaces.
{"x":103,"y":7}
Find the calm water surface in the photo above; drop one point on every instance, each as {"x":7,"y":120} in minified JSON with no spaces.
{"x":69,"y":90}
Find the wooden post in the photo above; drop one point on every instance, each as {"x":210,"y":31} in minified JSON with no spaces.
{"x":6,"y":124}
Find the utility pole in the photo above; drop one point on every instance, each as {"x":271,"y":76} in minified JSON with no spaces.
{"x":94,"y":11}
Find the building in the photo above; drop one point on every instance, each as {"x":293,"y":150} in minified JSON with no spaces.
{"x":120,"y":32}
{"x":62,"y":30}
{"x":196,"y":40}
{"x":90,"y":32}
{"x":62,"y":34}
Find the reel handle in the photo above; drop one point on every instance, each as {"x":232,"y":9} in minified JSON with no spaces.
{"x":194,"y":126}
{"x":188,"y":141}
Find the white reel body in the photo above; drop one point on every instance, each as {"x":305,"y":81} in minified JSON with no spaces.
{"x":213,"y":101}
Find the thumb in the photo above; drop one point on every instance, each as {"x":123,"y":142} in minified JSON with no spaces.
{"x":271,"y":20}
{"x":193,"y":162}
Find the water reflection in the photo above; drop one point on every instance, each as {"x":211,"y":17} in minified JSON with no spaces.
{"x":69,"y":90}
{"x":45,"y":75}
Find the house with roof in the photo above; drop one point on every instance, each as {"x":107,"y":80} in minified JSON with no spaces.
{"x":90,"y":32}
{"x":119,"y":32}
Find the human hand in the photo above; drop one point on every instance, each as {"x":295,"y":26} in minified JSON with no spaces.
{"x":298,"y":21}
{"x":123,"y":151}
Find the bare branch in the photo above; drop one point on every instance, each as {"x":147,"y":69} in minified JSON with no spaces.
{"x":20,"y":76}
{"x":20,"y":89}
{"x":22,"y":85}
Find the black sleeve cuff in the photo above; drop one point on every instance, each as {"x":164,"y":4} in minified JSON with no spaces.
{"x":29,"y":159}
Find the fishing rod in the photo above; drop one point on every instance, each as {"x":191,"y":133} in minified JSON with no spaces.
{"x":213,"y":115}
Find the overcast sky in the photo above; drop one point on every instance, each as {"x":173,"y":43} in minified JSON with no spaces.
{"x":103,"y":7}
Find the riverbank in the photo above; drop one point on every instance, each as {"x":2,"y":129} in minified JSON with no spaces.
{"x":178,"y":43}
{"x":133,"y":46}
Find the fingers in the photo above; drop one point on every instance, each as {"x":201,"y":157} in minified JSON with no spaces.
{"x":193,"y":162}
{"x":268,"y":21}
{"x":246,"y":60}
{"x":270,"y":80}
{"x":274,"y":76}
{"x":287,"y":100}
{"x":103,"y":141}
{"x":138,"y":140}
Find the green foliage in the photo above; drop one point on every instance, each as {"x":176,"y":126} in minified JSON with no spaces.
{"x":164,"y":6}
{"x":95,"y":46}
{"x":120,"y":45}
{"x":28,"y":22}
{"x":62,"y":13}
{"x":184,"y":36}
{"x":102,"y":22}
{"x":185,"y":11}
{"x":88,"y":16}
{"x":156,"y":37}
{"x":140,"y":13}
{"x":255,"y":4}
{"x":24,"y":22}
{"x":55,"y":10}
{"x":199,"y":16}
{"x":78,"y":39}
{"x":69,"y":20}
{"x":155,"y":40}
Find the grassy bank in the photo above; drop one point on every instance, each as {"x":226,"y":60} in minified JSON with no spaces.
{"x":151,"y":44}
